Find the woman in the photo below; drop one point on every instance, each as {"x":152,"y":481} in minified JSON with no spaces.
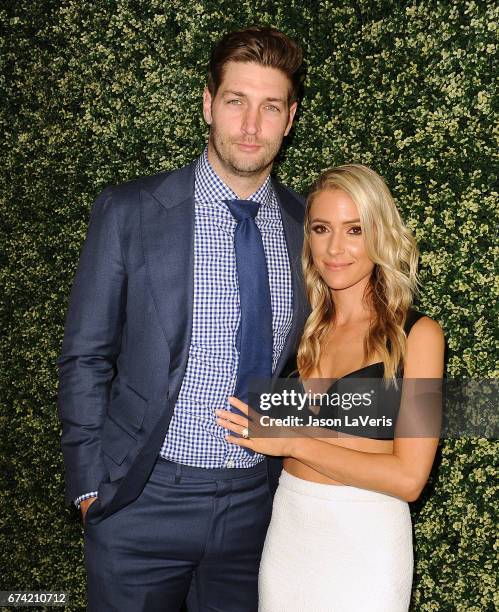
{"x":340,"y":537}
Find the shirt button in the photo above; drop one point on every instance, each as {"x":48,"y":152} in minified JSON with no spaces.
{"x":229,"y":463}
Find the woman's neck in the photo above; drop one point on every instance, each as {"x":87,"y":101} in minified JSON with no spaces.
{"x":350,"y":305}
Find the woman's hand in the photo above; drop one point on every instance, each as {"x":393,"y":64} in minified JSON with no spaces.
{"x":278,"y":447}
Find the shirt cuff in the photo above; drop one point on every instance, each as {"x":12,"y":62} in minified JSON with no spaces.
{"x":82,"y":497}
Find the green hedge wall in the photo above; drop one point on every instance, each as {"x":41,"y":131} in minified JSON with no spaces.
{"x":102,"y":91}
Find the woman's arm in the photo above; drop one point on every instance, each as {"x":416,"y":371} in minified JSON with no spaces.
{"x":402,"y":473}
{"x":405,"y":472}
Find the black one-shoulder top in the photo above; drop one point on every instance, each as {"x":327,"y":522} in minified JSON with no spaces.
{"x":374,"y":418}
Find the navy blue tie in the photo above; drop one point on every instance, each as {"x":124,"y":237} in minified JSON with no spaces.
{"x":255,"y":330}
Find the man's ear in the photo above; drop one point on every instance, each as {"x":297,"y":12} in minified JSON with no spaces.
{"x":207,"y":106}
{"x":291,"y":116}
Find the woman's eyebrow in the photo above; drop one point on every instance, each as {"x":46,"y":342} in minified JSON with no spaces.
{"x":344,"y":222}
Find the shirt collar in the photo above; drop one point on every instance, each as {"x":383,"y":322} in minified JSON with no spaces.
{"x":209,"y":186}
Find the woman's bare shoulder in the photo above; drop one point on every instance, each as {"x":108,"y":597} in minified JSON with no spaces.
{"x":425,"y":349}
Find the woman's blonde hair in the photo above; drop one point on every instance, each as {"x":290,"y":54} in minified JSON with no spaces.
{"x":393,"y":283}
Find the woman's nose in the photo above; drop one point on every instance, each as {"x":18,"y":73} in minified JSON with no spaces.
{"x":335,"y":244}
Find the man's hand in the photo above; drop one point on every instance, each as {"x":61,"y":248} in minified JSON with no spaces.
{"x":85,"y":505}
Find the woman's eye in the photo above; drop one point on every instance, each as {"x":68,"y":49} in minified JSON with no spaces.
{"x":318,"y":229}
{"x":356,"y":230}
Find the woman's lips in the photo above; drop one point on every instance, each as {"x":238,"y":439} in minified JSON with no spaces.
{"x":336,"y":266}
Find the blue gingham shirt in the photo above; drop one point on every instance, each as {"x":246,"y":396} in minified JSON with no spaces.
{"x":194,"y":438}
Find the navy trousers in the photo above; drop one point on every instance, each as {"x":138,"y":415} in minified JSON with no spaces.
{"x":191,"y":531}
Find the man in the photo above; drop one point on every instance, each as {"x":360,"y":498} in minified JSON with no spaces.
{"x":188,"y":285}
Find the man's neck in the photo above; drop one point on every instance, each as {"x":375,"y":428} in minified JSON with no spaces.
{"x":242,"y":186}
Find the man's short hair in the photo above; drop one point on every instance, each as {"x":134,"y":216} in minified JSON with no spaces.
{"x":260,"y":45}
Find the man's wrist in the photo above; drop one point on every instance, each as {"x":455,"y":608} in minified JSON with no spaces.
{"x":85,"y":503}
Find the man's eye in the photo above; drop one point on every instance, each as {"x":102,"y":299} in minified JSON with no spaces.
{"x":356,"y":230}
{"x":234,"y":101}
{"x":273,"y":108}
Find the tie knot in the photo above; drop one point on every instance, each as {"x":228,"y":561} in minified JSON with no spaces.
{"x":243,"y":209}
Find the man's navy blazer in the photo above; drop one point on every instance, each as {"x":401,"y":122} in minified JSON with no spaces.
{"x":128,"y":330}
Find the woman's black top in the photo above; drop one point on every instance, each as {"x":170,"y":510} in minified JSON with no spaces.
{"x":359,"y":403}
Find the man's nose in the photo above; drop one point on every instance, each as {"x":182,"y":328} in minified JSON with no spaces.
{"x":251,"y":121}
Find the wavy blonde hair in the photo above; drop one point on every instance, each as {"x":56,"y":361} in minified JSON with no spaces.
{"x":394,"y":280}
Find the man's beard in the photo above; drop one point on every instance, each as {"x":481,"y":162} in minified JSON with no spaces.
{"x":240,"y":165}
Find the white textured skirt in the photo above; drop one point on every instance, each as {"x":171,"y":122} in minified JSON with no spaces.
{"x":332,"y":548}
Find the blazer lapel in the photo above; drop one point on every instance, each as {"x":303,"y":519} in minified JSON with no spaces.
{"x":168,"y":238}
{"x":292,"y":214}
